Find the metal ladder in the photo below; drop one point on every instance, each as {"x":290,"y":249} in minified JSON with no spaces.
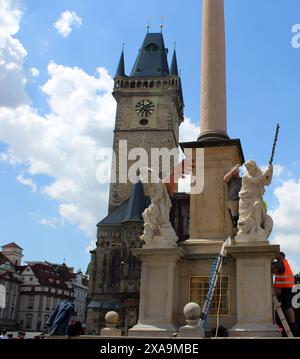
{"x":214,"y":276}
{"x":277,"y":307}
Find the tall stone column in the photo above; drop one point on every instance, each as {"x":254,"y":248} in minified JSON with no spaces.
{"x":213,"y":77}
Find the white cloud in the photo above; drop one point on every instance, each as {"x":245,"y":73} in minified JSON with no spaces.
{"x":188,"y":131}
{"x":34,"y":72}
{"x":12,"y":55}
{"x":10,"y":15}
{"x":52,"y":222}
{"x":278,"y":170}
{"x":286,"y":219}
{"x":27,"y":182}
{"x":64,"y":143}
{"x":66,"y":21}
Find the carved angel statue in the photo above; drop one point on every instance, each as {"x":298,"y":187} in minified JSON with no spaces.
{"x":157,"y":226}
{"x":253,"y":217}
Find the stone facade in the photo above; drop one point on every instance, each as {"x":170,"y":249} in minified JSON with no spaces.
{"x":8,"y":315}
{"x":44,"y":285}
{"x":114,"y":276}
{"x":114,"y":271}
{"x":10,"y":259}
{"x":41,"y":292}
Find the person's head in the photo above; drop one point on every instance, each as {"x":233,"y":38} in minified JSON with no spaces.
{"x":236,"y":172}
{"x":251,"y":167}
{"x":282,"y":255}
{"x":10,"y":336}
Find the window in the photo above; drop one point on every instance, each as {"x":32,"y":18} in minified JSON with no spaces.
{"x":144,"y":122}
{"x":48,"y":300}
{"x":30,"y":302}
{"x":151,"y":48}
{"x":28,"y":321}
{"x":199,"y":288}
{"x":31,"y":279}
{"x":46,"y":317}
{"x":54,"y":303}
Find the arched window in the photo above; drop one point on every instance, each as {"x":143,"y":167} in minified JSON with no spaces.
{"x":115,"y":269}
{"x":152,"y":83}
{"x":145,"y":84}
{"x":132,"y":84}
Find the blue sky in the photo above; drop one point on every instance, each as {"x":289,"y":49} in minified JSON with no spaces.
{"x":48,"y":208}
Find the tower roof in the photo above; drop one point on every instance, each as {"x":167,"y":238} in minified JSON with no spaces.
{"x":12,"y":245}
{"x":174,"y":66}
{"x":152,"y":59}
{"x":130,"y":210}
{"x":121,"y":67}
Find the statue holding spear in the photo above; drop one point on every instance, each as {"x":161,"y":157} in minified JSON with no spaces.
{"x":253,"y":218}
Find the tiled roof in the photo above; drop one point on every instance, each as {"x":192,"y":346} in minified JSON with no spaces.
{"x":130,"y":210}
{"x":152,"y":59}
{"x":48,"y":276}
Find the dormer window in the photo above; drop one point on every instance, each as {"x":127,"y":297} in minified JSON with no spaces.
{"x":151,"y":48}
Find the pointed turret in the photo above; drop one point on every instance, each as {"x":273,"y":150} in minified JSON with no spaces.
{"x":152,"y":59}
{"x":174,"y":66}
{"x":121,"y":67}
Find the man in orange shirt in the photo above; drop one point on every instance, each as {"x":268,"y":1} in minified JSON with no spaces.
{"x":283,"y":285}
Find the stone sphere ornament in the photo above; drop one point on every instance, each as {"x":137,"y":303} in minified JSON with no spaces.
{"x":192,"y":311}
{"x":111,"y":318}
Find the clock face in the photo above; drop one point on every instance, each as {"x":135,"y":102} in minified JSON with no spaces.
{"x":144,"y":108}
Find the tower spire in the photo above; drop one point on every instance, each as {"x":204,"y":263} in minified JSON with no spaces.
{"x":161,"y":24}
{"x":174,"y":66}
{"x":121,"y":67}
{"x":213,"y":78}
{"x":148,"y":26}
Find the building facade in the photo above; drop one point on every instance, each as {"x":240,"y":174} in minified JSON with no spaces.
{"x":33,"y":290}
{"x":44,"y":286}
{"x":149,"y":113}
{"x":10,"y":259}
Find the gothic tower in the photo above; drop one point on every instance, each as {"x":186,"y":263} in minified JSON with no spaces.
{"x":149,"y":109}
{"x":149,"y":112}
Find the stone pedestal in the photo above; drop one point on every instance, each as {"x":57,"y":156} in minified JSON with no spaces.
{"x":192,"y":312}
{"x":254,"y":290}
{"x":158,"y":299}
{"x":112,"y":319}
{"x":209,"y":215}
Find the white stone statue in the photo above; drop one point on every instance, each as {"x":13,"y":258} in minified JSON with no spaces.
{"x":253,"y":218}
{"x":158,"y":230}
